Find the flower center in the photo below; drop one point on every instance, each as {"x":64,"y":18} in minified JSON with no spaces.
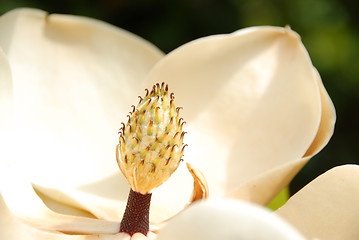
{"x":150,"y":149}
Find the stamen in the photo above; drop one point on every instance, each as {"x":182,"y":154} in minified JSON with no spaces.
{"x":162,"y":88}
{"x":157,"y":115}
{"x":175,"y":136}
{"x":153,"y":91}
{"x":121,"y":130}
{"x":144,"y":107}
{"x":182,"y":135}
{"x":155,"y":144}
{"x":144,"y":152}
{"x":166,"y":151}
{"x":134,"y":143}
{"x":150,"y":128}
{"x":153,"y":168}
{"x":141,"y":119}
{"x":139,"y":132}
{"x":183,"y":149}
{"x":163,"y":137}
{"x":172,"y":109}
{"x":122,"y":144}
{"x":168,"y":160}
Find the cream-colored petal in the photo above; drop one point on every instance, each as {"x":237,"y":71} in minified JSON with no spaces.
{"x":24,"y":203}
{"x":5,"y":93}
{"x":327,"y":121}
{"x":6,"y":108}
{"x":282,"y":175}
{"x":13,"y":229}
{"x":251,"y":102}
{"x":200,"y":186}
{"x":74,"y":80}
{"x":138,"y":236}
{"x":227,"y":219}
{"x":104,"y":199}
{"x":266,"y":186}
{"x":327,"y":208}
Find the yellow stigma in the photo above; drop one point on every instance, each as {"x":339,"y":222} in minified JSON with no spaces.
{"x":151,"y":143}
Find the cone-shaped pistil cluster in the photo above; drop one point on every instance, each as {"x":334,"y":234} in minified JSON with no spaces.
{"x":150,"y":150}
{"x":151,"y":142}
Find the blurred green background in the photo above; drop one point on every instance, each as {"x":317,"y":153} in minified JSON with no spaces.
{"x":329,"y":30}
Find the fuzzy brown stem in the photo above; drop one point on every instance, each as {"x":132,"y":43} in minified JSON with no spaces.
{"x":136,"y":216}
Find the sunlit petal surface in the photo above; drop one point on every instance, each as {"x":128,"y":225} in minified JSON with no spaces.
{"x":327,"y":208}
{"x":6,"y":104}
{"x":73,"y":80}
{"x":227,"y":219}
{"x":327,"y":121}
{"x":253,"y":107}
{"x":13,"y":229}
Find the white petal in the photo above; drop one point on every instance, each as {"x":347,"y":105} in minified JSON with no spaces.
{"x":270,"y":183}
{"x":104,"y":199}
{"x":227,"y":219}
{"x":74,"y":80}
{"x":251,"y":102}
{"x":6,"y":108}
{"x":5,"y":91}
{"x":327,"y":208}
{"x":13,"y":229}
{"x":118,"y":236}
{"x":327,"y":121}
{"x":23,"y":202}
{"x":138,"y":236}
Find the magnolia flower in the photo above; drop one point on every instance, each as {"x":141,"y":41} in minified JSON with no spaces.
{"x":256,"y":112}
